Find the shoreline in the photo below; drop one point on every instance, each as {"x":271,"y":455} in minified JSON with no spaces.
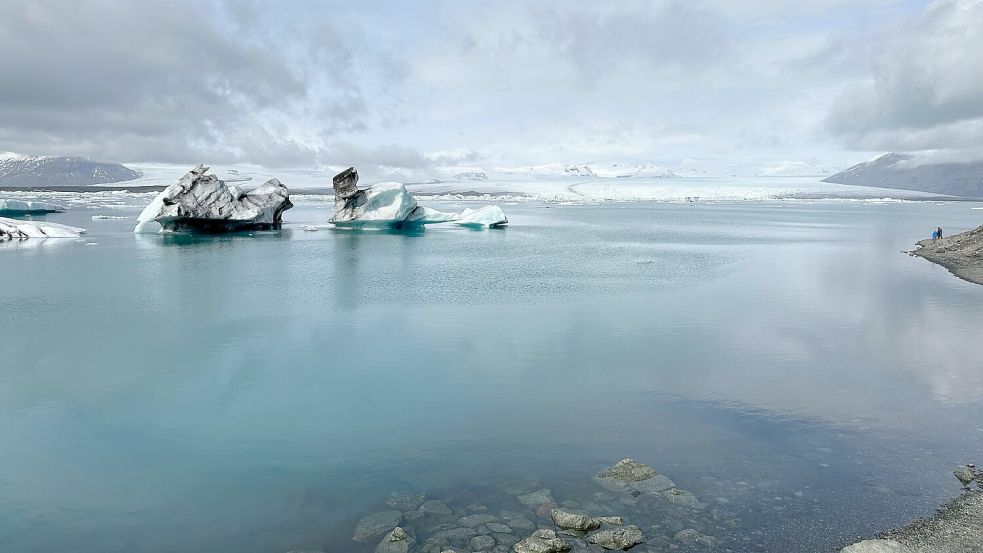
{"x":961,"y":254}
{"x":955,"y":527}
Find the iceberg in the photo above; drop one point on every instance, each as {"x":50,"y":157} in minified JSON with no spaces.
{"x":390,"y":205}
{"x":16,"y":229}
{"x":203,"y":202}
{"x":19,"y":207}
{"x":484,"y":217}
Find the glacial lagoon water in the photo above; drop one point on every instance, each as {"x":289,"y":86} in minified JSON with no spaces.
{"x":261,"y":392}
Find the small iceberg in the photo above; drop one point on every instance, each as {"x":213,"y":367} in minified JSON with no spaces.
{"x":203,"y":202}
{"x":108,"y":218}
{"x":16,"y":229}
{"x":390,"y":205}
{"x":19,"y":207}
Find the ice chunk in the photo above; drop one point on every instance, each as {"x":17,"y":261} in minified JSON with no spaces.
{"x":16,"y":229}
{"x":203,"y":202}
{"x":389,"y":204}
{"x":20,"y":207}
{"x":487,"y":216}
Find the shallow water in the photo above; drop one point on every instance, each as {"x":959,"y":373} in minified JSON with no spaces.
{"x":263,"y":391}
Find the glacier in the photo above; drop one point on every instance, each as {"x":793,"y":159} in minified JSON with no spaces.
{"x":20,"y":207}
{"x":390,"y":205}
{"x":16,"y":229}
{"x":202,"y":202}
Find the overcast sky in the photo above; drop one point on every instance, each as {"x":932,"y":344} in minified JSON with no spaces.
{"x":308,"y":83}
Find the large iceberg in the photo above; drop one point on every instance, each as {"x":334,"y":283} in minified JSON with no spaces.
{"x":20,"y":207}
{"x":390,"y":205}
{"x":16,"y":229}
{"x":202,"y":202}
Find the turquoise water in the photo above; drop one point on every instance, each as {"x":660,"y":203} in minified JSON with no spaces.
{"x":261,"y":392}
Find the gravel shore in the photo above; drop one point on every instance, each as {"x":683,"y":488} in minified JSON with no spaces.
{"x":961,"y":253}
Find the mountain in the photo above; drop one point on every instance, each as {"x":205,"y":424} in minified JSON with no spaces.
{"x":34,"y":171}
{"x":591,"y":170}
{"x":896,"y":170}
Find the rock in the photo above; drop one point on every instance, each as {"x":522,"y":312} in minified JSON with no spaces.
{"x":690,"y":536}
{"x":520,"y":486}
{"x":537,"y":498}
{"x":965,"y":474}
{"x":506,"y":540}
{"x":202,"y":202}
{"x":434,"y":507}
{"x":397,"y":541}
{"x":682,"y":498}
{"x":405,"y":501}
{"x":628,"y":475}
{"x":876,"y":546}
{"x":574,"y":521}
{"x":499,"y":528}
{"x":476,"y":508}
{"x":618,"y":538}
{"x":616,"y":521}
{"x":459,"y":535}
{"x":476,"y":520}
{"x":389,"y":204}
{"x":522,"y":524}
{"x":542,"y":541}
{"x":376,"y":524}
{"x":15,"y":229}
{"x":482,"y":543}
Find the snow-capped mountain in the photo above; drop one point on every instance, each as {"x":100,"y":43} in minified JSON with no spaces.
{"x":902,"y":171}
{"x":631,"y":170}
{"x":471,"y":175}
{"x":33,"y":171}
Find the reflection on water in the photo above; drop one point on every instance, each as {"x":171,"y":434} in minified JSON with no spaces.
{"x":263,"y":391}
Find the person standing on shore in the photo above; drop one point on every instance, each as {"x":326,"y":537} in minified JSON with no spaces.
{"x":939,"y":230}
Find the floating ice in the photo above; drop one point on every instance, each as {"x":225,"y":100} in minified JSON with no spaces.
{"x":389,"y":204}
{"x":487,"y":216}
{"x":108,"y":217}
{"x":20,"y":207}
{"x":16,"y":229}
{"x":204,"y":202}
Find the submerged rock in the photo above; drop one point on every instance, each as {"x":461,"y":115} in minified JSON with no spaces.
{"x":405,"y":501}
{"x":390,"y":205}
{"x":376,"y":524}
{"x":682,"y":498}
{"x":690,"y":536}
{"x":434,"y":507}
{"x":397,"y":541}
{"x":202,"y":202}
{"x":876,"y":546}
{"x":539,"y":497}
{"x":574,"y":521}
{"x":628,"y":475}
{"x":618,"y":538}
{"x":482,"y":543}
{"x":16,"y":229}
{"x":965,"y":474}
{"x":542,"y":541}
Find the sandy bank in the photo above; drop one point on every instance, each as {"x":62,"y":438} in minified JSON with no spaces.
{"x":956,"y":527}
{"x":961,"y":253}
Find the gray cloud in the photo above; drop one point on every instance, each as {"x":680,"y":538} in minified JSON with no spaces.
{"x":924,"y":88}
{"x":162,"y":81}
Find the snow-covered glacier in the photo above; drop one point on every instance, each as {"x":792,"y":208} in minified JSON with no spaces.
{"x":390,"y":205}
{"x":203,"y":202}
{"x":17,"y":229}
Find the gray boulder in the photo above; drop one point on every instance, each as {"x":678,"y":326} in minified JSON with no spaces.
{"x":618,"y":538}
{"x":397,"y":541}
{"x":376,"y":524}
{"x":570,"y":520}
{"x":434,"y":507}
{"x":472,"y":521}
{"x":628,"y":475}
{"x":690,"y":536}
{"x":482,"y":543}
{"x":202,"y":202}
{"x":682,"y":498}
{"x":405,"y":501}
{"x":542,"y":541}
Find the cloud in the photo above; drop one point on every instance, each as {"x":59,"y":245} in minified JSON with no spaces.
{"x":165,"y":81}
{"x":924,"y":88}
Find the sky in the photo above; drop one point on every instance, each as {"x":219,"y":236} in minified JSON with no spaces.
{"x":780,"y":86}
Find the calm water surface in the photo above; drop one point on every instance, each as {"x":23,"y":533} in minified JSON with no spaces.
{"x":261,"y":392}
